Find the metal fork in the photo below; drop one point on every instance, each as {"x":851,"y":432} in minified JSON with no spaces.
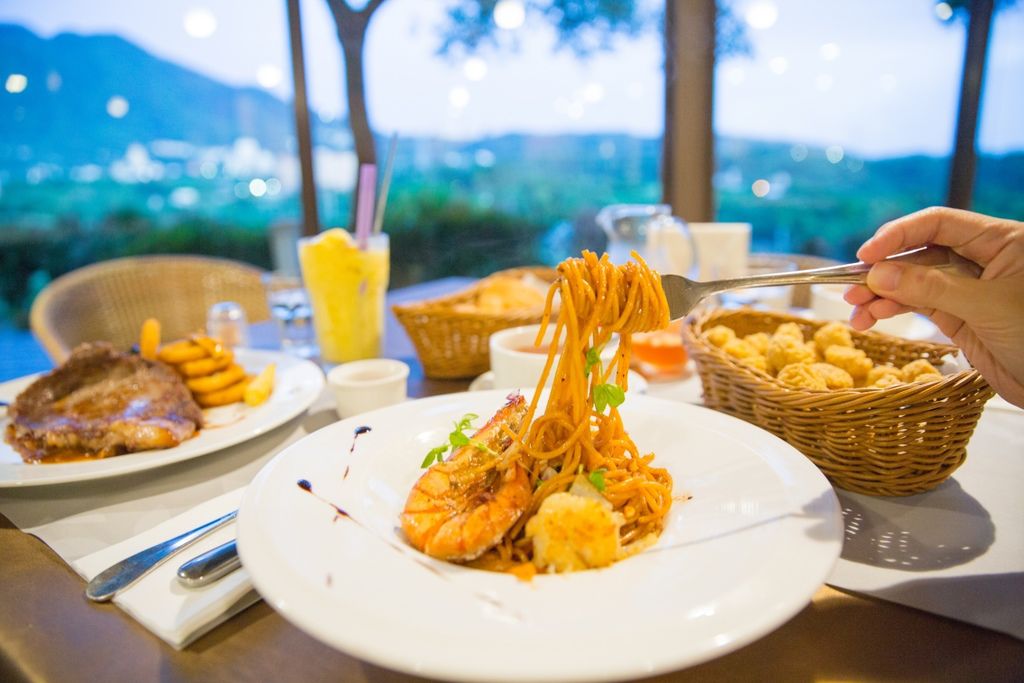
{"x":683,"y":294}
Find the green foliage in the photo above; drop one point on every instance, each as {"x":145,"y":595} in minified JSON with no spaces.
{"x":29,"y":259}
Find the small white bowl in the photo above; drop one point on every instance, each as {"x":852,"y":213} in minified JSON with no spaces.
{"x":363,"y":385}
{"x":515,"y":367}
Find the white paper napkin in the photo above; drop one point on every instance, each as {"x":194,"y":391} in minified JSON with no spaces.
{"x":175,"y":613}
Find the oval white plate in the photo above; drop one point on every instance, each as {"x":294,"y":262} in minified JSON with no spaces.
{"x":297,"y":384}
{"x":758,"y":538}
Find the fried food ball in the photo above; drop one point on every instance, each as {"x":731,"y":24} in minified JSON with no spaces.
{"x":789,"y":330}
{"x":719,"y":335}
{"x":926,"y":377}
{"x":802,"y":376}
{"x":883,"y":381}
{"x":879,"y":371}
{"x":921,"y":366}
{"x":785,"y":350}
{"x":759,"y":340}
{"x":835,"y":378}
{"x":832,"y":334}
{"x":744,"y":352}
{"x":854,"y":361}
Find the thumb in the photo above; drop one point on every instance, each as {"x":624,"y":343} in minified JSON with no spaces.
{"x":924,"y":287}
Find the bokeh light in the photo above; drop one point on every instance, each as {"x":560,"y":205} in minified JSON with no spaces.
{"x":834,"y":154}
{"x":509,"y":14}
{"x":257,"y":187}
{"x":829,"y":52}
{"x":761,"y":15}
{"x":200,"y":22}
{"x":761,"y":187}
{"x":943,"y":11}
{"x":474,"y":68}
{"x":117,"y":107}
{"x":269,"y":76}
{"x":778,"y":65}
{"x":16,"y":83}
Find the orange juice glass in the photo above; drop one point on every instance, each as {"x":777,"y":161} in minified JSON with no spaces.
{"x":346,"y":288}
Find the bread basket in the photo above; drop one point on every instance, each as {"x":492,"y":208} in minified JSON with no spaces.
{"x":893,"y":441}
{"x":453,"y":343}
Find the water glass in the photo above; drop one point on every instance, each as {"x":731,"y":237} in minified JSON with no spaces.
{"x":290,"y":309}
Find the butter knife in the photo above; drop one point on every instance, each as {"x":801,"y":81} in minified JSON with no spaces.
{"x":116,"y":578}
{"x":210,"y":566}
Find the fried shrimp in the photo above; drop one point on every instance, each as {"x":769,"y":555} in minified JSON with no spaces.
{"x":462,"y":507}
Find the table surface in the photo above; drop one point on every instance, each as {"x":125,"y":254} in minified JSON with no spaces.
{"x":50,"y":632}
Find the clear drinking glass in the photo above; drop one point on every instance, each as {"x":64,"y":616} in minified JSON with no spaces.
{"x":291,"y":311}
{"x":347,"y":284}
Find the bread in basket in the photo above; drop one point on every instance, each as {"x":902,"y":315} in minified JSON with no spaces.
{"x":898,"y":440}
{"x":451,"y":333}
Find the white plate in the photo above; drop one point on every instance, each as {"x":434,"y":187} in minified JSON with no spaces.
{"x":485,"y":382}
{"x":758,"y":538}
{"x":297,"y":384}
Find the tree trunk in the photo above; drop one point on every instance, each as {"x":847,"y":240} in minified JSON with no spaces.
{"x":688,"y":154}
{"x":351,"y":27}
{"x":303,"y":134}
{"x":961,"y":174}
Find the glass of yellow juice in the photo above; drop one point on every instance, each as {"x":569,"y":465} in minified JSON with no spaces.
{"x":346,"y":288}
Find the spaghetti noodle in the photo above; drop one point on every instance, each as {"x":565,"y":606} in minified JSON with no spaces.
{"x":580,"y":429}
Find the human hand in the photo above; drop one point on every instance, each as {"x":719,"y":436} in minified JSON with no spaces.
{"x":984,"y":316}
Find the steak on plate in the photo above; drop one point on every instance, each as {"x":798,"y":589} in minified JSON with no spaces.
{"x":101,"y":402}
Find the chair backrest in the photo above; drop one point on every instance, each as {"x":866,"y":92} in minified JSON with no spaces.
{"x":111,"y":299}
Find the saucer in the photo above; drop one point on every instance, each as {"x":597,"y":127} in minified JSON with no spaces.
{"x":485,"y":381}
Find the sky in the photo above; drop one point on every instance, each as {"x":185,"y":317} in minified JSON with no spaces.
{"x":876,"y":77}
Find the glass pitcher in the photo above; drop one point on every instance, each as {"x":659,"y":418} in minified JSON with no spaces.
{"x":663,"y":240}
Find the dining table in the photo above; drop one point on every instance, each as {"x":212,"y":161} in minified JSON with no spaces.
{"x":49,"y":631}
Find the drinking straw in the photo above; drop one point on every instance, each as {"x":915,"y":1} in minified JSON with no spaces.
{"x":364,"y":203}
{"x":385,"y":185}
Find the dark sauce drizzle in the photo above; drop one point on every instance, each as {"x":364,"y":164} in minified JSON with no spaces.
{"x":363,"y":429}
{"x":306,"y":486}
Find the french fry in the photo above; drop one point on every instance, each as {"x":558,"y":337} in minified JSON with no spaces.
{"x":223,"y":397}
{"x":216,"y":381}
{"x":179,"y":352}
{"x":149,"y":338}
{"x":259,"y":389}
{"x":207,"y":366}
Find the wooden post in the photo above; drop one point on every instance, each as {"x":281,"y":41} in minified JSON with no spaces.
{"x":961,"y":172}
{"x":310,"y":215}
{"x":688,"y":155}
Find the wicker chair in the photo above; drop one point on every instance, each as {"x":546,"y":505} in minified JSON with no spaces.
{"x":110,"y":300}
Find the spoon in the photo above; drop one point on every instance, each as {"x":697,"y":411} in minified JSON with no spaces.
{"x":683,"y":294}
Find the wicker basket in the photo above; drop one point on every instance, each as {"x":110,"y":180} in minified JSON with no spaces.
{"x":895,"y":441}
{"x":453,"y":344}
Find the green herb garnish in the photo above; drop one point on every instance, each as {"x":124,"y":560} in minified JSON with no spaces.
{"x":608,"y":395}
{"x":456,"y":439}
{"x":597,"y":478}
{"x":593,"y":358}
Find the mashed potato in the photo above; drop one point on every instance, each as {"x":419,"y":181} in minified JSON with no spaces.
{"x":571,"y":533}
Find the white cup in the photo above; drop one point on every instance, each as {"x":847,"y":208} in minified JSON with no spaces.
{"x":722,"y":249}
{"x":517,"y":363}
{"x":363,"y":385}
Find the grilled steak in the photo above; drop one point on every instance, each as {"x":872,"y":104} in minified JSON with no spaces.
{"x":101,"y":402}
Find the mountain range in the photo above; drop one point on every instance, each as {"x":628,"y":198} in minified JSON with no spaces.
{"x":61,"y":116}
